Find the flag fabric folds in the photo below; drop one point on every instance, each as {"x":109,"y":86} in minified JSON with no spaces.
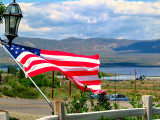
{"x":80,"y":69}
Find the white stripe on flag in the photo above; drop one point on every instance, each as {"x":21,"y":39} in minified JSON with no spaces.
{"x":94,"y":87}
{"x":23,"y":54}
{"x":30,"y":60}
{"x":69,"y":58}
{"x":40,"y":66}
{"x":79,"y":68}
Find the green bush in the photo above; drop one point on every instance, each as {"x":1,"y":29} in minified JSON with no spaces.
{"x":56,"y":82}
{"x":7,"y":91}
{"x":43,"y":81}
{"x":20,"y":91}
{"x":12,"y":70}
{"x":7,"y":78}
{"x":21,"y":74}
{"x":25,"y":92}
{"x":79,"y":103}
{"x":25,"y":82}
{"x":2,"y":71}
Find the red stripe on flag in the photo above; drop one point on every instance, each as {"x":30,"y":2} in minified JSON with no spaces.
{"x":83,"y":73}
{"x":73,"y":63}
{"x":42,"y":70}
{"x":36,"y":62}
{"x":61,"y":53}
{"x":25,"y":58}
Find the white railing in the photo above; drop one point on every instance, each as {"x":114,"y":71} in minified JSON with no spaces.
{"x":147,"y":111}
{"x":4,"y":115}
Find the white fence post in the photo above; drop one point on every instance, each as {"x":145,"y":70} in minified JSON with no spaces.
{"x":59,"y":110}
{"x":4,"y":115}
{"x":147,"y":104}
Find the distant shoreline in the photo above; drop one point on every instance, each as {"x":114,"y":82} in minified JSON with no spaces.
{"x":125,"y":64}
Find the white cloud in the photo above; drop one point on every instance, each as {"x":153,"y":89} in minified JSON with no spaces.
{"x":2,"y":28}
{"x":25,"y":27}
{"x":91,"y":18}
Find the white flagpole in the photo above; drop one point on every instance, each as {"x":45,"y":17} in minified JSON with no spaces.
{"x":51,"y":105}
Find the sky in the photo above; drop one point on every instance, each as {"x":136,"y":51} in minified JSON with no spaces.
{"x":60,"y":19}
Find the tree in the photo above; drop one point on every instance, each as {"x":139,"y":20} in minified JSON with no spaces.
{"x":0,"y":77}
{"x":2,"y":9}
{"x":21,"y":74}
{"x":8,"y":70}
{"x":12,"y":70}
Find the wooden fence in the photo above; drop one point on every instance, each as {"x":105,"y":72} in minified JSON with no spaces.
{"x":147,"y":111}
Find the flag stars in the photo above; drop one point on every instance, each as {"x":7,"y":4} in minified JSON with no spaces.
{"x":22,"y":48}
{"x":16,"y":52}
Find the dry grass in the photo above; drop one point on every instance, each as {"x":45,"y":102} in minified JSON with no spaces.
{"x":143,"y":87}
{"x":21,"y":116}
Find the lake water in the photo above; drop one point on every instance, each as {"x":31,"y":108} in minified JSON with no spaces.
{"x":5,"y":69}
{"x":140,"y":71}
{"x":147,"y":71}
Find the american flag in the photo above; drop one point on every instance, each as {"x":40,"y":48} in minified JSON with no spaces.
{"x":80,"y":69}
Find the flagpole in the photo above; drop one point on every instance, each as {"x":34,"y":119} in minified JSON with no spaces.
{"x":51,"y":105}
{"x":52,"y":84}
{"x":60,"y":84}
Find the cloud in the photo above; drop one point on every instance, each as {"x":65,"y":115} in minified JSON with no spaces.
{"x":91,"y":18}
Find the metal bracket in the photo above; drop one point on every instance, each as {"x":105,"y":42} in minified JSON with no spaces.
{"x":2,"y":42}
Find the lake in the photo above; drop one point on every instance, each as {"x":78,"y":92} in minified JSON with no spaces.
{"x":140,"y":71}
{"x":5,"y":69}
{"x":147,"y":71}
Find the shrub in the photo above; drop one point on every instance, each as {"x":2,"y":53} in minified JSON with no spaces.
{"x":21,"y":74}
{"x":56,"y":82}
{"x":102,"y":104}
{"x":0,"y":77}
{"x":12,"y":70}
{"x":2,"y":71}
{"x":25,"y":82}
{"x":79,"y":103}
{"x":7,"y":91}
{"x":20,"y":91}
{"x":25,"y":92}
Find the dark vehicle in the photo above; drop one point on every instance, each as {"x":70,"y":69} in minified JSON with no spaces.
{"x":97,"y":96}
{"x":118,"y":97}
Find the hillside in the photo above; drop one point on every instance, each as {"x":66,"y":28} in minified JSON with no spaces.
{"x":151,"y":46}
{"x":112,"y":51}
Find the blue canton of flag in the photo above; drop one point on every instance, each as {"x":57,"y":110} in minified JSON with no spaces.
{"x":16,"y":50}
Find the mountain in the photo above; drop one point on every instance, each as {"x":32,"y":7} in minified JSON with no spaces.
{"x":151,"y":46}
{"x":112,"y":51}
{"x":90,"y":46}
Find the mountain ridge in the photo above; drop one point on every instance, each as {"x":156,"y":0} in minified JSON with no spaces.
{"x":112,"y":51}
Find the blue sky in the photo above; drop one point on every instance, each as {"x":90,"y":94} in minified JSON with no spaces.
{"x":60,"y":19}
